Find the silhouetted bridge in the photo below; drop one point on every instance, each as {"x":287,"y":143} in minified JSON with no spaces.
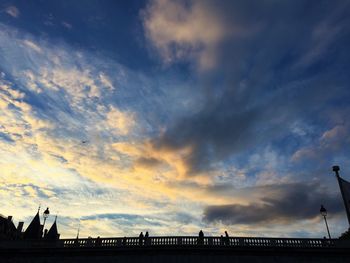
{"x":207,"y":242}
{"x":177,"y":249}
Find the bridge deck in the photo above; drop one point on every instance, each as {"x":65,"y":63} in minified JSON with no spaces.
{"x":176,"y":249}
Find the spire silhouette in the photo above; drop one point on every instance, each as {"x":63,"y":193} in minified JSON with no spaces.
{"x":53,"y":232}
{"x":34,"y":230}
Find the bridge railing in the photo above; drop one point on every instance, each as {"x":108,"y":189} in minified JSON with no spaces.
{"x":185,"y":241}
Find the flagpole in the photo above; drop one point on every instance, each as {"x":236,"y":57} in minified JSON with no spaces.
{"x":336,"y":170}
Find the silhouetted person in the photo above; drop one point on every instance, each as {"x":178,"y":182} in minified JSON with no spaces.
{"x":200,"y":238}
{"x":324,"y":242}
{"x":98,"y":242}
{"x":227,"y":239}
{"x":141,"y":239}
{"x":147,"y":240}
{"x":89,"y":242}
{"x":124,"y":241}
{"x":221,"y":240}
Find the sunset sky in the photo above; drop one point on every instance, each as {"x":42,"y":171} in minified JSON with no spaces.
{"x":175,"y":116}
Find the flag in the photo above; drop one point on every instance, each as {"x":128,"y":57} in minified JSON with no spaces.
{"x":345,"y":191}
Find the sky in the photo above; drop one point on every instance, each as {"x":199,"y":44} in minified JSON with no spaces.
{"x":175,"y":116}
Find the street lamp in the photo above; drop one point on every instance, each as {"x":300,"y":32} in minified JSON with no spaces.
{"x":46,"y":215}
{"x":323,"y":212}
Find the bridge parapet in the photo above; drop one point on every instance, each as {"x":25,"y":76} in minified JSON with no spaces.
{"x":188,"y":241}
{"x":180,"y":242}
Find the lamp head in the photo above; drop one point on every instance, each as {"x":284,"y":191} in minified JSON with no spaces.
{"x":336,"y":168}
{"x":46,"y":213}
{"x":323,"y":211}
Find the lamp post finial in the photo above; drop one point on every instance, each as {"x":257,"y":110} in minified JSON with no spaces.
{"x":336,"y":169}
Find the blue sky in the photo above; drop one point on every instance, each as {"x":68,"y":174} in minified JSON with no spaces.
{"x":175,"y":116}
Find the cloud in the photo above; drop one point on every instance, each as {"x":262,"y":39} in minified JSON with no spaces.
{"x":46,"y":119}
{"x":106,"y":81}
{"x":12,"y":11}
{"x":121,"y":122}
{"x":182,"y":30}
{"x":66,"y":25}
{"x":32,"y":45}
{"x":334,"y":135}
{"x":148,"y":162}
{"x":322,"y":36}
{"x":125,"y":219}
{"x":66,"y":129}
{"x":284,"y":204}
{"x":17,"y":117}
{"x":261,"y":93}
{"x":330,"y":142}
{"x":132,"y":224}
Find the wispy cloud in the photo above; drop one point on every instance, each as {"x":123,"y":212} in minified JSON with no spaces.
{"x":330,"y":142}
{"x":32,"y":45}
{"x":61,"y":127}
{"x":12,"y":11}
{"x":66,"y":25}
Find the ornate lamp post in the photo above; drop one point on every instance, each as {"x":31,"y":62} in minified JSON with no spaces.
{"x":323,"y":212}
{"x":46,"y":215}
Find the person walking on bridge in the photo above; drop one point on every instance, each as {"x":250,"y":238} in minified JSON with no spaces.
{"x":200,"y":238}
{"x":227,"y":239}
{"x":147,"y":239}
{"x":141,"y":239}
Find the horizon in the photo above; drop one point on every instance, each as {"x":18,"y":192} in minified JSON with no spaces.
{"x":175,"y":116}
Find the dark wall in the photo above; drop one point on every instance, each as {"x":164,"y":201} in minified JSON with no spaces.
{"x":175,"y":256}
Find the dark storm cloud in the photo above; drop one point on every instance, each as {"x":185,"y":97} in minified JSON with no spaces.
{"x":289,"y":69}
{"x":283,"y":204}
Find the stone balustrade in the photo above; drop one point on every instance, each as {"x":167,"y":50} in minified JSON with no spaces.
{"x":186,"y":241}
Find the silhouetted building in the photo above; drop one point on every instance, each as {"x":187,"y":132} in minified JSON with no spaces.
{"x":53,"y":232}
{"x":35,"y":229}
{"x":8,"y":229}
